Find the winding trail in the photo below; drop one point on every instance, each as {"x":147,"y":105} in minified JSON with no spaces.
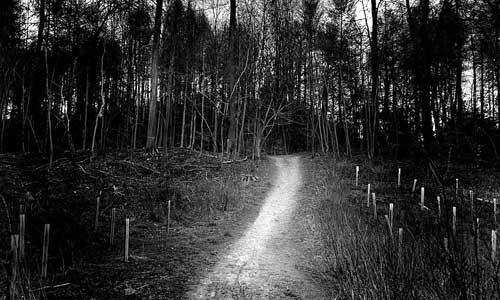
{"x":265,"y":262}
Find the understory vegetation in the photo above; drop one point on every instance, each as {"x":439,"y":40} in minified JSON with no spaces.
{"x":361,"y":259}
{"x":209,"y":199}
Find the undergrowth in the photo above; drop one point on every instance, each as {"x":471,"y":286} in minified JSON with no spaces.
{"x":200,"y":188}
{"x":363,"y":261}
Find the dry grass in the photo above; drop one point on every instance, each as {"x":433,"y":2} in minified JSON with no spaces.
{"x":360,"y":258}
{"x":209,"y":204}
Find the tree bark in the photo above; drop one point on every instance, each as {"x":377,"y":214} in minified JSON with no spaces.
{"x":232,"y":133}
{"x":152,"y":120}
{"x":373,"y":108}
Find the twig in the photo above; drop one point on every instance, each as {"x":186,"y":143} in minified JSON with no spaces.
{"x":51,"y":287}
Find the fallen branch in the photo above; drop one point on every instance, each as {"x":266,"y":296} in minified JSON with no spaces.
{"x":235,"y":160}
{"x":51,"y":287}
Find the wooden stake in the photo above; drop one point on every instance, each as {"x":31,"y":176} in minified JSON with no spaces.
{"x":391,"y":215}
{"x":414,"y":186}
{"x":357,"y":175}
{"x":422,"y":198}
{"x":45,"y":252}
{"x":14,"y":240}
{"x":494,"y":246}
{"x":439,"y":206}
{"x":374,"y":205}
{"x":400,"y":246}
{"x":127,"y":227}
{"x":368,"y":196}
{"x":112,"y":232}
{"x":22,"y":231}
{"x":454,"y":221}
{"x":446,"y":248}
{"x":399,"y":177}
{"x":168,"y":218}
{"x":96,"y":223}
{"x":456,"y":188}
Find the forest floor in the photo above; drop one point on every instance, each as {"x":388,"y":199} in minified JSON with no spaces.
{"x":285,"y":227}
{"x":245,"y":210}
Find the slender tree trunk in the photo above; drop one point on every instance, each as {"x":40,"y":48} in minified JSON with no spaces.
{"x":85,"y":112}
{"x":373,"y":111}
{"x":100,"y":113}
{"x":481,"y":91}
{"x":232,"y":133}
{"x":242,"y":131}
{"x":41,"y":26}
{"x":458,"y":87}
{"x":184,"y":107}
{"x":3,"y":113}
{"x":136,"y":119}
{"x":151,"y":135}
{"x":474,"y":87}
{"x":168,"y":105}
{"x":49,"y":110}
{"x":24,"y":114}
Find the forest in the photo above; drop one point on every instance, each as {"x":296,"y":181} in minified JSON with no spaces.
{"x":243,"y":77}
{"x":249,"y":149}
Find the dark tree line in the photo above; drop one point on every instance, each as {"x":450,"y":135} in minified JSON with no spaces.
{"x":241,"y":77}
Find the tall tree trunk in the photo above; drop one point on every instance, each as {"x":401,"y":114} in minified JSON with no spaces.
{"x":481,"y":91}
{"x":373,"y":111}
{"x":421,"y":43}
{"x":151,"y":135}
{"x":41,"y":26}
{"x":474,"y":85}
{"x":49,"y":110}
{"x":232,"y":133}
{"x":85,"y":112}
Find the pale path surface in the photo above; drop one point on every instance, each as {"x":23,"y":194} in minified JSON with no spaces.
{"x":263,"y":263}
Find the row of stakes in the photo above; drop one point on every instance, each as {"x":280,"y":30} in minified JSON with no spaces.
{"x":18,"y":242}
{"x":389,"y":218}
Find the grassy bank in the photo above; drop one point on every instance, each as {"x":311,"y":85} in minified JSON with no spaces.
{"x":360,"y":258}
{"x":211,"y":202}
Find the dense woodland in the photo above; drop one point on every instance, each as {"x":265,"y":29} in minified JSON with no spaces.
{"x":244,"y":77}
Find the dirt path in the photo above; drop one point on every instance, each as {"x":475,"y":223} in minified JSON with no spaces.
{"x":265,"y":262}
